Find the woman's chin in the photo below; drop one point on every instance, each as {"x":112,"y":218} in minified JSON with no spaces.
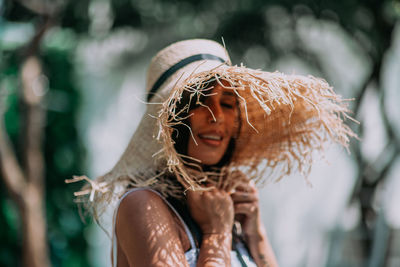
{"x":210,"y":161}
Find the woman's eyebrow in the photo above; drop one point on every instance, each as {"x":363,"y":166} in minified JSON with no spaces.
{"x":229,"y":93}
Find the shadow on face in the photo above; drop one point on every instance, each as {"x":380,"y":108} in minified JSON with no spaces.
{"x":213,"y":122}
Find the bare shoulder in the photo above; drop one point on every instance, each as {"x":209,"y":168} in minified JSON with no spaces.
{"x":136,"y":199}
{"x":140,"y":205}
{"x":144,"y":227}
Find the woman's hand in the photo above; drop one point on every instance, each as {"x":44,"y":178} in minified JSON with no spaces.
{"x":246,"y":206}
{"x":212,"y":210}
{"x":247,"y":212}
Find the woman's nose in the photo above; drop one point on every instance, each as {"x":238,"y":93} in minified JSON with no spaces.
{"x":216,"y":113}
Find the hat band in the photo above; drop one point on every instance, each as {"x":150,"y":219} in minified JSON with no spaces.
{"x":186,"y":61}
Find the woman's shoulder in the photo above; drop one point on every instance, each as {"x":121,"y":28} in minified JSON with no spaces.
{"x":140,"y":212}
{"x":142,"y":200}
{"x":144,"y":226}
{"x":146,"y":210}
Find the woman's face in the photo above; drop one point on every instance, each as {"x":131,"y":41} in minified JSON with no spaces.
{"x":213,"y":133}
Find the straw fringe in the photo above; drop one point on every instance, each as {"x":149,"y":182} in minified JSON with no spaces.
{"x":286,"y":119}
{"x":314,"y":115}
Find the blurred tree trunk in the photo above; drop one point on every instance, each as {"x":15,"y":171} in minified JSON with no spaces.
{"x":35,"y":245}
{"x":25,"y":182}
{"x":373,"y":174}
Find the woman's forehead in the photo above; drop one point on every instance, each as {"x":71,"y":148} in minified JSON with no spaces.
{"x":223,"y":90}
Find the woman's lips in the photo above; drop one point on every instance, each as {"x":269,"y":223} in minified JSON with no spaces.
{"x":212,"y":139}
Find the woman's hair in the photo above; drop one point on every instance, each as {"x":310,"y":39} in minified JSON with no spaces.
{"x":181,"y":133}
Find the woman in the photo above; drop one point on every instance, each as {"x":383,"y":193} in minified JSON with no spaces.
{"x":184,"y":187}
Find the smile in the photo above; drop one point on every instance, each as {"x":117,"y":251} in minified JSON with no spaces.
{"x":211,"y":139}
{"x":210,"y":136}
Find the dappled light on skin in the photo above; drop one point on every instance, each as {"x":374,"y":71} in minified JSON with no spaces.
{"x":157,"y":240}
{"x":213,"y":124}
{"x":160,"y":238}
{"x":213,"y":212}
{"x":162,"y":255}
{"x":215,"y":256}
{"x":352,"y":45}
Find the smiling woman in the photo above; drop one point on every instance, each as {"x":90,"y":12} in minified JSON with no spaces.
{"x":184,"y":189}
{"x":213,"y":124}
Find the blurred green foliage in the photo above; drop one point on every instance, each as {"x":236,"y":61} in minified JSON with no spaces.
{"x":243,"y":24}
{"x":11,"y":244}
{"x":64,"y":156}
{"x":63,"y":153}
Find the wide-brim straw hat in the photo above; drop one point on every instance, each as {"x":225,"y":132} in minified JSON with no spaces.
{"x":285,"y":119}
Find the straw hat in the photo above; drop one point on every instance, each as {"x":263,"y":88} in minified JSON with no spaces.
{"x":284,"y":120}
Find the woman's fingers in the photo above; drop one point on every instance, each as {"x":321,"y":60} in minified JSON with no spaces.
{"x":246,"y":187}
{"x":246,"y":208}
{"x":240,"y":196}
{"x":193,"y":196}
{"x":245,"y":192}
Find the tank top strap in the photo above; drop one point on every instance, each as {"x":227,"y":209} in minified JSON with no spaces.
{"x":114,"y":239}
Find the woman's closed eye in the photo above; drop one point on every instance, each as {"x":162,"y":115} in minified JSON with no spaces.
{"x":228,"y":105}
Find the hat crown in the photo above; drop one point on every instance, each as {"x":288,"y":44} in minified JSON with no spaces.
{"x":179,"y":51}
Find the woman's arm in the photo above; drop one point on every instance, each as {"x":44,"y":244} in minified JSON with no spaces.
{"x":247,"y":212}
{"x":215,"y":250}
{"x":147,"y":233}
{"x":260,"y":248}
{"x":213,"y":212}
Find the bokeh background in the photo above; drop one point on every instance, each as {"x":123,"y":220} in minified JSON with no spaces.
{"x":72,"y":79}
